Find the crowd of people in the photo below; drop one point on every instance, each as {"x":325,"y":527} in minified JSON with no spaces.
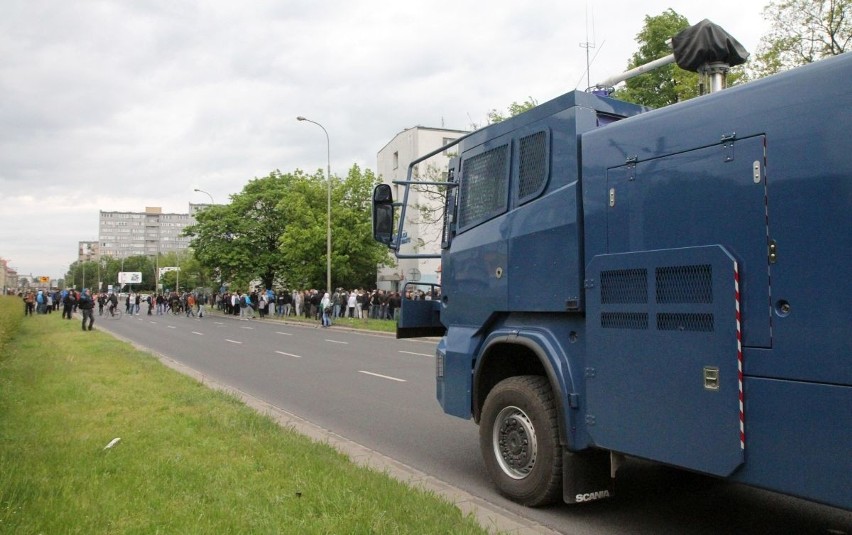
{"x":312,"y":304}
{"x":70,"y":301}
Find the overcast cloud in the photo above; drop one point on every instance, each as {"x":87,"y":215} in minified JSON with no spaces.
{"x":122,"y":105}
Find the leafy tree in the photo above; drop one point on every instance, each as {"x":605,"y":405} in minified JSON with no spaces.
{"x":665,"y":85}
{"x":803,"y":31}
{"x":192,"y":273}
{"x":355,"y":254}
{"x":514,"y":108}
{"x":87,"y":274}
{"x":303,"y":243}
{"x":239,"y":240}
{"x":145,"y":265}
{"x":275,"y":230}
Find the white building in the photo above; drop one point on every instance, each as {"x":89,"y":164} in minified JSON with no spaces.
{"x":123,"y":234}
{"x":425,"y":209}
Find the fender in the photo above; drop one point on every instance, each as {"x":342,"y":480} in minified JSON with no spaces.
{"x":552,"y":359}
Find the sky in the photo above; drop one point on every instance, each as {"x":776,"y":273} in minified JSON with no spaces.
{"x":116,"y":106}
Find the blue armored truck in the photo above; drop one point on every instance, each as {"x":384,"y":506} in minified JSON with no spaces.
{"x":671,"y":285}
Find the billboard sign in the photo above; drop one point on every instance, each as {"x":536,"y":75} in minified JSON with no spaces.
{"x":164,"y":270}
{"x":129,"y":277}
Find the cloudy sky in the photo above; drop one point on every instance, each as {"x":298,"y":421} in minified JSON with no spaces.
{"x":109,"y":105}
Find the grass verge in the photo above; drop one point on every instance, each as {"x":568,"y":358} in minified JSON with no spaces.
{"x":368,"y":324}
{"x":190,"y":460}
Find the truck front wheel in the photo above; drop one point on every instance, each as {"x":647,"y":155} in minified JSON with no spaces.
{"x":519,"y":439}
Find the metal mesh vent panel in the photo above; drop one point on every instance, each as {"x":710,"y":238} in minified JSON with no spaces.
{"x":685,"y":284}
{"x":624,"y":286}
{"x":533,"y":164}
{"x":483,"y":190}
{"x":624,"y":320}
{"x":685,"y":322}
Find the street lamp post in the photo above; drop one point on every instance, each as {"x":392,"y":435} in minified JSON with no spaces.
{"x":328,"y":206}
{"x":202,"y":191}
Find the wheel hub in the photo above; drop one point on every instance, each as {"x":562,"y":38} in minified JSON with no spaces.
{"x":515,"y":445}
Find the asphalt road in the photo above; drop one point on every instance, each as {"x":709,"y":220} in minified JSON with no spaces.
{"x":379,"y":392}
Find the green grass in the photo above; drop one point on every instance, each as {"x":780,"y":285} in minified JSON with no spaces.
{"x":190,"y":460}
{"x":387,"y":326}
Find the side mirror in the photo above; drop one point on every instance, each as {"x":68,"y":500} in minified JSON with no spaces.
{"x":383,"y":214}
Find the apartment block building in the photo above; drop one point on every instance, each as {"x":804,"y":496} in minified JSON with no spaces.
{"x":87,"y":251}
{"x":124,"y":234}
{"x":423,"y":225}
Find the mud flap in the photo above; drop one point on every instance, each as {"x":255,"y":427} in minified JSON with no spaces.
{"x":586,"y":476}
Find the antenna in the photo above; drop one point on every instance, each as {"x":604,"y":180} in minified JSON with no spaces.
{"x":588,"y":44}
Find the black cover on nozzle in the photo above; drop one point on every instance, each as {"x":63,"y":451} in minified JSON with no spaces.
{"x":705,"y":43}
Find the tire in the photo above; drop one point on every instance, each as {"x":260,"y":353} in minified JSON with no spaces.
{"x":519,"y":440}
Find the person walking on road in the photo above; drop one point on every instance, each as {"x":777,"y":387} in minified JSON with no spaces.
{"x":325,"y":305}
{"x":190,"y":305}
{"x":201,"y":301}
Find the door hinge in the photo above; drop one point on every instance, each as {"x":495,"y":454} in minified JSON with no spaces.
{"x":631,"y":167}
{"x":728,"y":146}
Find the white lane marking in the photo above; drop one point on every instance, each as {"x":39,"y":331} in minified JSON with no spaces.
{"x":154,"y":322}
{"x":383,"y":376}
{"x":289,"y":354}
{"x":335,"y":341}
{"x":218,"y":323}
{"x":249,"y":328}
{"x":418,"y":354}
{"x":172,"y":327}
{"x":198,"y":333}
{"x":233,"y":341}
{"x":285,"y":334}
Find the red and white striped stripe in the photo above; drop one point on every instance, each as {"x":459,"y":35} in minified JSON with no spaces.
{"x":739,"y":353}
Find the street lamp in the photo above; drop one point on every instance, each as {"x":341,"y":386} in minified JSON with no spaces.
{"x":328,"y":207}
{"x":202,"y":191}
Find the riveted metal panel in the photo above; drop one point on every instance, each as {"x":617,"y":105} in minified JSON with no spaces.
{"x":651,"y":394}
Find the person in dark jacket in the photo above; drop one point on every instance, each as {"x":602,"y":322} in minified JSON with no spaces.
{"x":86,"y":304}
{"x":68,"y":303}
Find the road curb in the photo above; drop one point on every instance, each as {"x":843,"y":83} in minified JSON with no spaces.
{"x":490,"y":516}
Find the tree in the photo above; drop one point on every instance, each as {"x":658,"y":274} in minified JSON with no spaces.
{"x":239,"y":240}
{"x":665,"y":85}
{"x":802,"y":31}
{"x":191,"y":274}
{"x":354,"y":253}
{"x":514,"y":108}
{"x":87,"y":274}
{"x":274,"y":230}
